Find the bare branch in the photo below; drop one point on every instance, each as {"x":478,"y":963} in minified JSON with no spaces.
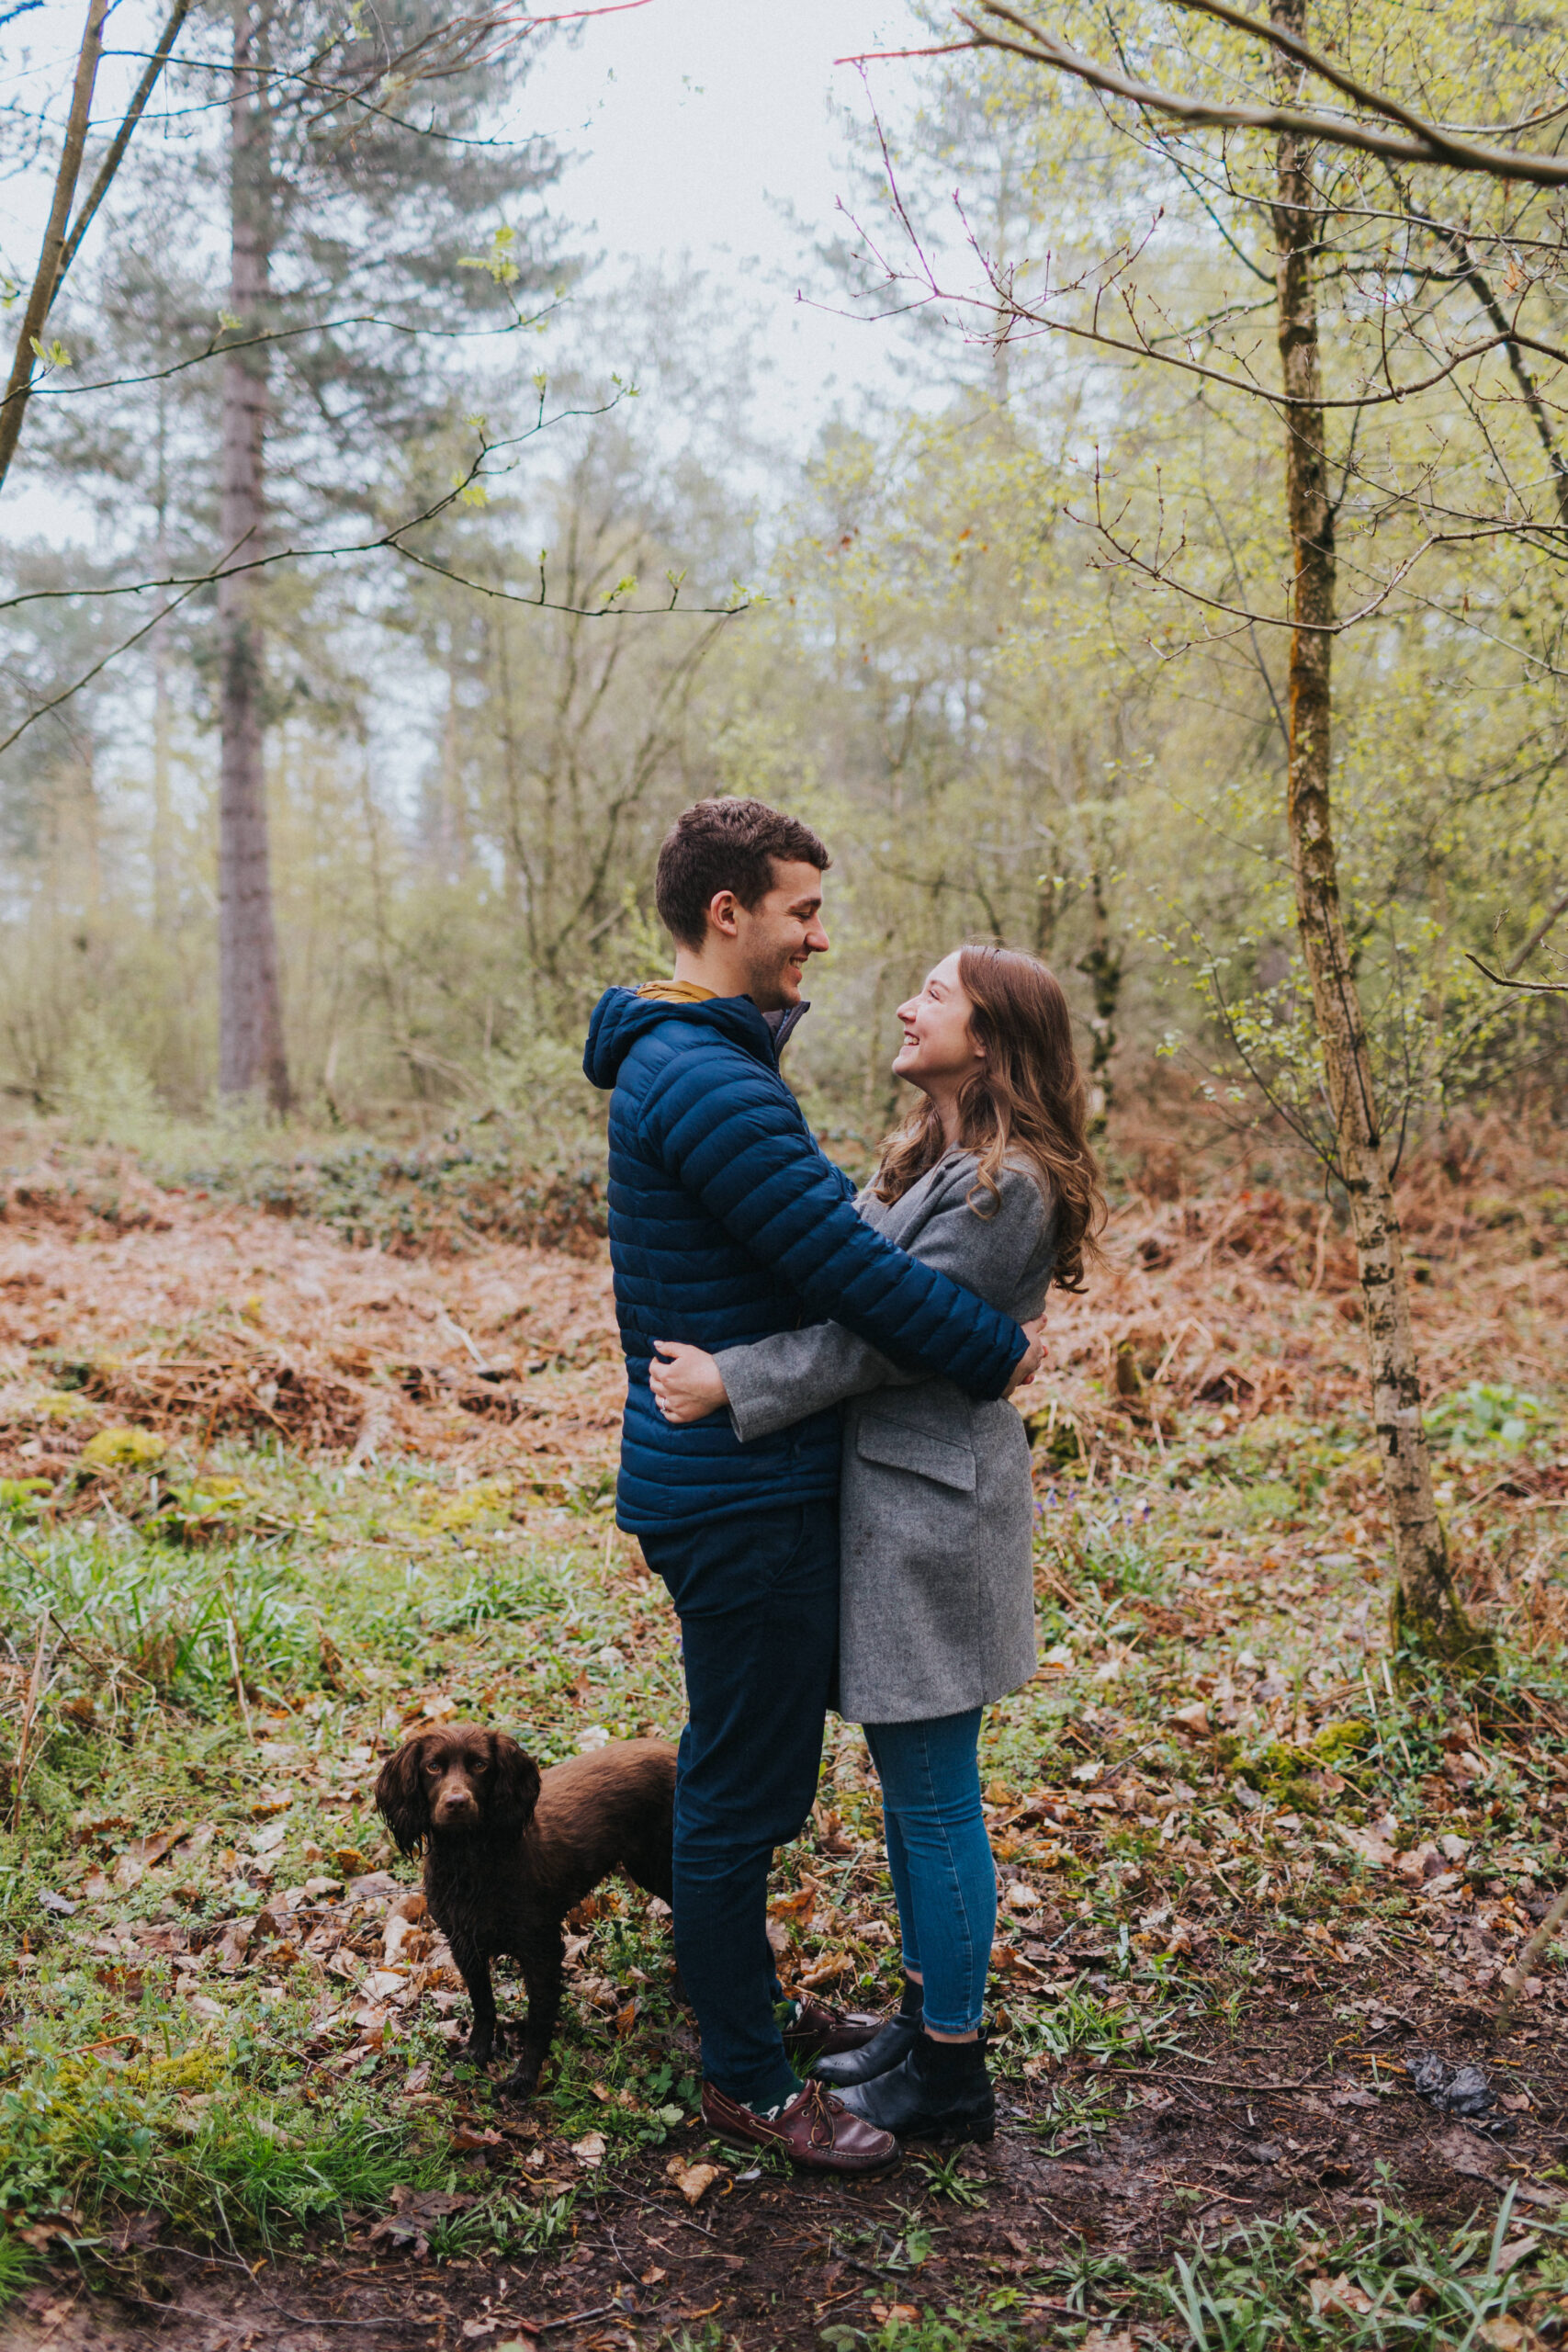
{"x":1517,"y":962}
{"x":1526,"y":987}
{"x":122,"y":139}
{"x":47,"y":276}
{"x":1480,"y":286}
{"x":221,"y":347}
{"x":1293,"y":45}
{"x":391,"y":540}
{"x":1434,"y":146}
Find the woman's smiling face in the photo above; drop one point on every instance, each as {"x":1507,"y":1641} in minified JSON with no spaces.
{"x":938,"y":1050}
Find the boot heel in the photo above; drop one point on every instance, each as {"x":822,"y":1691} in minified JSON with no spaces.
{"x":957,"y":2134}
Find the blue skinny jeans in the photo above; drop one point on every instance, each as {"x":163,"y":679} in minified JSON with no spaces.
{"x":943,"y":1874}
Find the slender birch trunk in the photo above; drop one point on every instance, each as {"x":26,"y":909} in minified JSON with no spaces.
{"x":1102,"y":966}
{"x":164,"y":904}
{"x":251,"y":1052}
{"x":1426,"y":1610}
{"x":46,"y":279}
{"x":62,"y":237}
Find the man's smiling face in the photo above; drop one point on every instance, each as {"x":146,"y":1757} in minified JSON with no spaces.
{"x":779,"y":935}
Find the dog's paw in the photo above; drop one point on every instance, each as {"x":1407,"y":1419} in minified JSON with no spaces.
{"x":521,"y":2084}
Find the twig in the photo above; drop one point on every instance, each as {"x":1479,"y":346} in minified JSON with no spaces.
{"x":1526,"y":987}
{"x":1513,"y":1978}
{"x":206,"y":1441}
{"x":29,"y":1712}
{"x":20,"y":1549}
{"x":232,"y":1636}
{"x":1537,"y":935}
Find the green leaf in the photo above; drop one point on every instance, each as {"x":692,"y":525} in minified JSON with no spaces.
{"x":498,"y":262}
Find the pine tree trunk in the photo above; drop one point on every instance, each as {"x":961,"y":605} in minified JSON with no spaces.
{"x":1426,"y":1610}
{"x":251,"y":1049}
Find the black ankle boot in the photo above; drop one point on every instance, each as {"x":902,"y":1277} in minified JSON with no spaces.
{"x":885,"y":2050}
{"x":940,"y":2091}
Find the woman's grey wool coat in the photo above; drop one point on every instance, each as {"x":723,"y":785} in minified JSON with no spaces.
{"x":937,"y":1508}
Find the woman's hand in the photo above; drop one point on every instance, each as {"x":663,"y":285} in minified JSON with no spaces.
{"x":688,"y":1383}
{"x":1032,"y":1357}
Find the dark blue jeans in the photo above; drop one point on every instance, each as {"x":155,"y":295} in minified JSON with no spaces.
{"x":758,"y":1600}
{"x":939,"y":1857}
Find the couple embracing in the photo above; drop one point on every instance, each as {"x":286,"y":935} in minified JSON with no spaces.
{"x":819,"y":1458}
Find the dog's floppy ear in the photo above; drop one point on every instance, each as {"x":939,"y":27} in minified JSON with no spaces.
{"x":401,"y":1798}
{"x":514,"y":1782}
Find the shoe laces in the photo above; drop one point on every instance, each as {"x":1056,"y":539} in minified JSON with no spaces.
{"x":824,"y":2110}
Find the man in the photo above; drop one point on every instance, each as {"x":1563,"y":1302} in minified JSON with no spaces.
{"x":727,"y":1224}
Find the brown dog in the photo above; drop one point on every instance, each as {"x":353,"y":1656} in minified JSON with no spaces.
{"x":509,"y":1849}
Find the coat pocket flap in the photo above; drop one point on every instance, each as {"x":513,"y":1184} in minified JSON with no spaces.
{"x":902,"y":1448}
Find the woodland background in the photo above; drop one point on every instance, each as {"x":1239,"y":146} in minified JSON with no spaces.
{"x":918,"y":637}
{"x":414,"y":568}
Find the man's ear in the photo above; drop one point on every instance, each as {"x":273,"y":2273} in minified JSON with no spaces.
{"x":401,"y":1798}
{"x":723,"y":914}
{"x":515,"y":1783}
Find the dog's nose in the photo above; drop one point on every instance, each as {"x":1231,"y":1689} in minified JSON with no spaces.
{"x":452,"y":1802}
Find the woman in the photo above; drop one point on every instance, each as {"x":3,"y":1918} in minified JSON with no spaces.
{"x":992,"y":1180}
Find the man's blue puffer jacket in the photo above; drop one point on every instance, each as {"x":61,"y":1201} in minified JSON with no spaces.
{"x":726,"y":1224}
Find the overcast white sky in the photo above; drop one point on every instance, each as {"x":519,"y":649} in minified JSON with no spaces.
{"x":697,"y":130}
{"x":703,"y":127}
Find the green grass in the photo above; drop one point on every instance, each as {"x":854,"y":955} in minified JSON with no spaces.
{"x":113,"y":2095}
{"x":1391,"y":2282}
{"x":317,"y":1610}
{"x":1283,"y":2286}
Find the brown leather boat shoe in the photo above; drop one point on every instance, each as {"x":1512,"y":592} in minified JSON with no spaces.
{"x":814,"y":2131}
{"x":817,"y":2032}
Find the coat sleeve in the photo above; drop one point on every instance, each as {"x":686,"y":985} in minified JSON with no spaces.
{"x":737,"y":1140}
{"x":772,"y":1382}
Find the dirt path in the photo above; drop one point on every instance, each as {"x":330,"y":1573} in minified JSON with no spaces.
{"x":1046,"y":2226}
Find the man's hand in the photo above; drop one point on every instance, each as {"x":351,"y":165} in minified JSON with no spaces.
{"x":1032,"y":1357}
{"x":688,"y":1384}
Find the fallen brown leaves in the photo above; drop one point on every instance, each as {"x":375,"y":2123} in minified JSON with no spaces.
{"x":196,"y":1320}
{"x":188,"y":1316}
{"x":1214,"y":1312}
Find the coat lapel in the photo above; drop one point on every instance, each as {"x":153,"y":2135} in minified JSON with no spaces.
{"x":900,"y":1219}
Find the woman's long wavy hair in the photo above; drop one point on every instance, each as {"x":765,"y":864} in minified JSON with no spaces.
{"x":1028,"y":1097}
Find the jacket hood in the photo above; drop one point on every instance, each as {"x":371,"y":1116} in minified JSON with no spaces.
{"x":622,"y":1016}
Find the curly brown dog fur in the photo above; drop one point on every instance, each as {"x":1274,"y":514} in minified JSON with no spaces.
{"x":509,"y":1849}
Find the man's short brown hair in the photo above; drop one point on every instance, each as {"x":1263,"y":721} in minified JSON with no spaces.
{"x":725,"y":845}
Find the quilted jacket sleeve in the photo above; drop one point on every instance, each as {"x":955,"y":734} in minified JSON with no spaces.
{"x":735,"y":1138}
{"x":772,"y":1382}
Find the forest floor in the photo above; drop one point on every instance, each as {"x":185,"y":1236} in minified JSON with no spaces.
{"x":268,"y":1499}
